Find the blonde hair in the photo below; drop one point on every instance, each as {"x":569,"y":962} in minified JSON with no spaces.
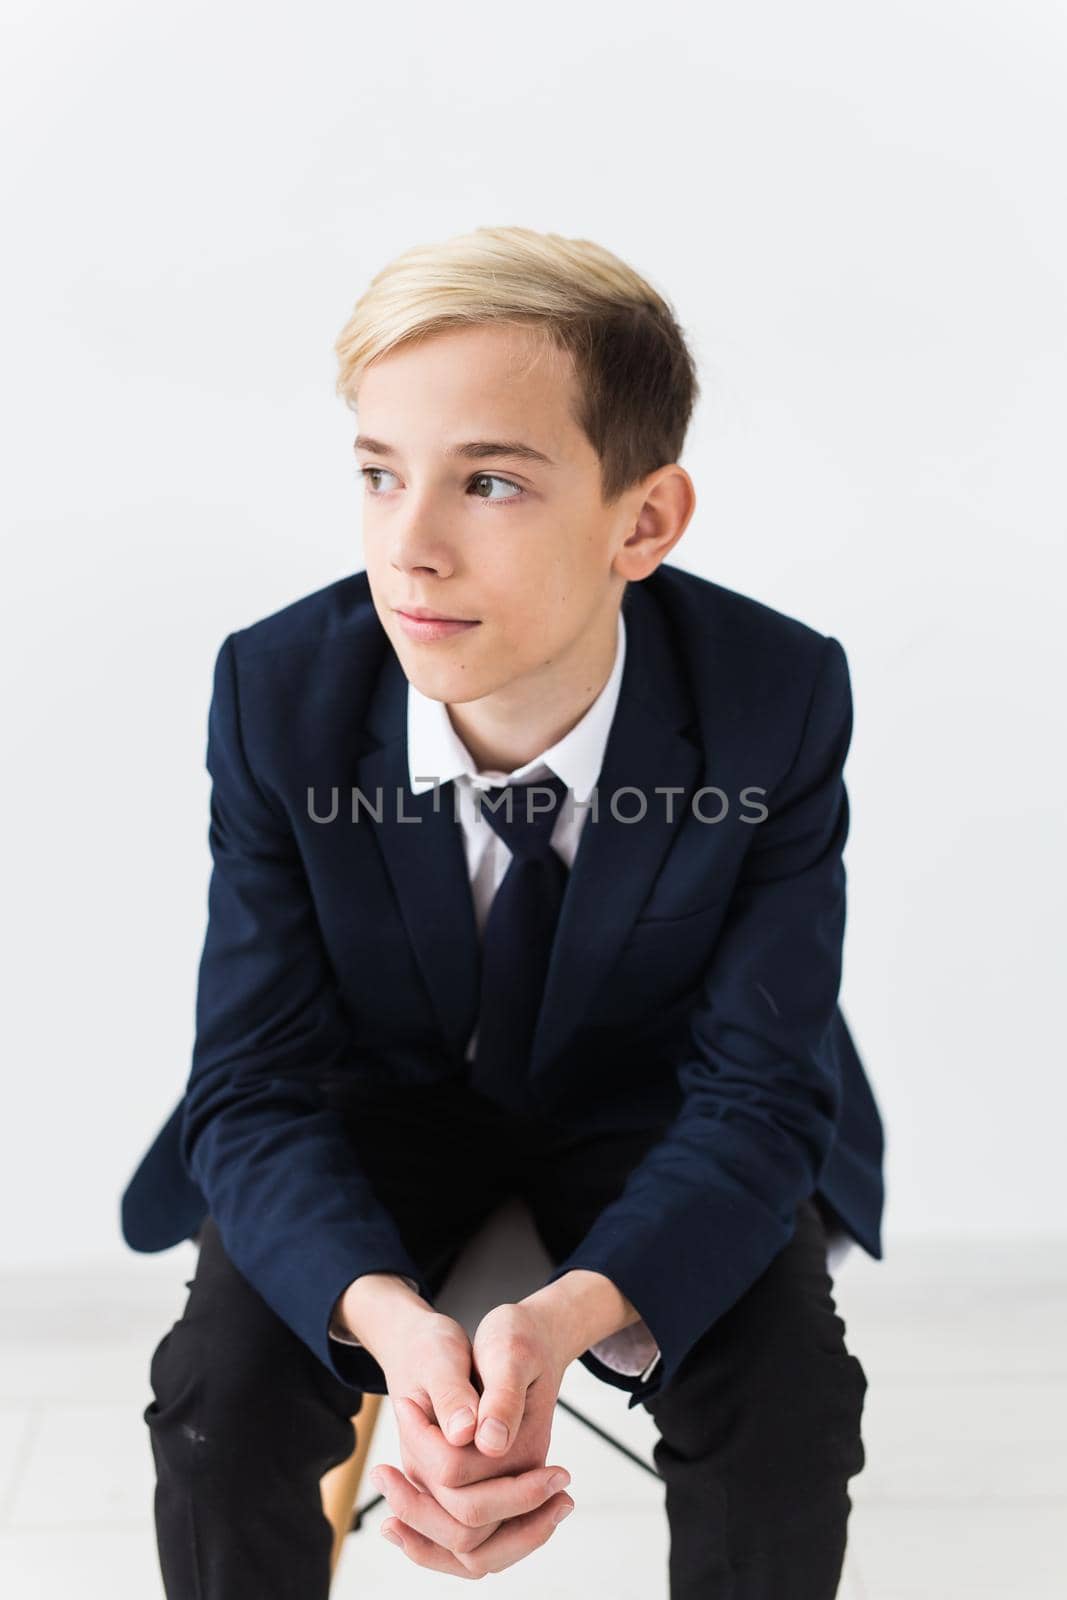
{"x":636,"y":378}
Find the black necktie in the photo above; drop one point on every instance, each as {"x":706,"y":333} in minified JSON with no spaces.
{"x":517,"y":940}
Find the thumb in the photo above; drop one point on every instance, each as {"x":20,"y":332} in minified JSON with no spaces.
{"x":503,"y":1398}
{"x":453,"y":1397}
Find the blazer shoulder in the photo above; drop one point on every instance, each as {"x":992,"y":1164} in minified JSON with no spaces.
{"x":304,"y":677}
{"x":703,"y":611}
{"x":747,"y":664}
{"x":340,"y":611}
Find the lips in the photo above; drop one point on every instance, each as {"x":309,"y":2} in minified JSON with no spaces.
{"x":427,"y":629}
{"x":422,"y":615}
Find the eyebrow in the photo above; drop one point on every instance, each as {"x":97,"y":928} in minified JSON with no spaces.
{"x":474,"y":450}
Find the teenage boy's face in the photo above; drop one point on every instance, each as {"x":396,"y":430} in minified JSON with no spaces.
{"x":521,"y":548}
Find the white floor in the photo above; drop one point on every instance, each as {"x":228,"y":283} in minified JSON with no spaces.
{"x":964,"y":1495}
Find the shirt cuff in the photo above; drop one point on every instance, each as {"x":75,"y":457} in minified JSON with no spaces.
{"x":632,"y":1351}
{"x":838,"y":1245}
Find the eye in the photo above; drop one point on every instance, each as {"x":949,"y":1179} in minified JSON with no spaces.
{"x":490,"y":477}
{"x":366,"y":473}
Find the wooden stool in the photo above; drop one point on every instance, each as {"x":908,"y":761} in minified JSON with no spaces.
{"x":340,"y":1486}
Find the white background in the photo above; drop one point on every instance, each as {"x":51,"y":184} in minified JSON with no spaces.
{"x":858,"y":213}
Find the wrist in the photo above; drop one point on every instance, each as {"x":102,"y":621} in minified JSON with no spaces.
{"x":375,"y":1304}
{"x":579,"y":1309}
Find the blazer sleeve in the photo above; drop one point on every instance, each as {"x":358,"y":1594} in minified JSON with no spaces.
{"x":710,"y":1205}
{"x":295,"y":1212}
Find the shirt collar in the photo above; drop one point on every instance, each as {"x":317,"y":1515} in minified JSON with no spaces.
{"x":436,"y":753}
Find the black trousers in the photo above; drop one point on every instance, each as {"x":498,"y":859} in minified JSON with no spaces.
{"x":759,"y":1430}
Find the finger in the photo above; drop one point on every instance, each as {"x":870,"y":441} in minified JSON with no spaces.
{"x":423,"y":1513}
{"x":500,"y":1411}
{"x":425,"y":1432}
{"x":422,"y":1551}
{"x":428,"y":1456}
{"x":517,"y":1538}
{"x":493,"y":1500}
{"x":454,"y":1399}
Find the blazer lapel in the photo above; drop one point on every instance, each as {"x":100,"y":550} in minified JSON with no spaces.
{"x":422,"y":847}
{"x":617,"y":861}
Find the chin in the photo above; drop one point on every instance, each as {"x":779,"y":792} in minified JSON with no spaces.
{"x":449,"y":682}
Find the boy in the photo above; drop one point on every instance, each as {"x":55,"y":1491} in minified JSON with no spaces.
{"x":616,"y":997}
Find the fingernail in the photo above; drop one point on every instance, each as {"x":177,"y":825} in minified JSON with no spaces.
{"x":387,"y":1533}
{"x":376,"y":1479}
{"x":493,"y":1433}
{"x":564,"y":1511}
{"x":558,"y":1481}
{"x":460,"y":1420}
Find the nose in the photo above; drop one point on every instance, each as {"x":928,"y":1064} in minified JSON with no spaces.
{"x":417,"y":543}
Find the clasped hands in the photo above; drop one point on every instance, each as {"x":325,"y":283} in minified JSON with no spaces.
{"x":475,"y":1495}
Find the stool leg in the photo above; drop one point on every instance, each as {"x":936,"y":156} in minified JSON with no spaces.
{"x":340,"y":1486}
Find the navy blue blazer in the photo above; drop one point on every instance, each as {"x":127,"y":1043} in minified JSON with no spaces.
{"x":693,"y":983}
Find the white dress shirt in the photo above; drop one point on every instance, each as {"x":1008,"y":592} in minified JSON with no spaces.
{"x":436,"y":754}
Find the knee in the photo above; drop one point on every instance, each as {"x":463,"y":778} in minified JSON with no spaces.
{"x":817,"y":1427}
{"x":778,"y":1417}
{"x":791,"y":1482}
{"x":765,"y":1460}
{"x":217,"y":1400}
